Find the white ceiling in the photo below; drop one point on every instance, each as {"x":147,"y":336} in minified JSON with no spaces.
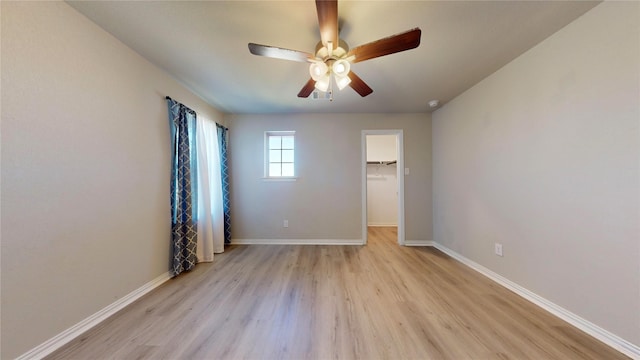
{"x":204,"y":46}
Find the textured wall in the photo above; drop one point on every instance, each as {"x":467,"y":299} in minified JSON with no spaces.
{"x":85,"y":171}
{"x":543,"y":157}
{"x":325,"y":202}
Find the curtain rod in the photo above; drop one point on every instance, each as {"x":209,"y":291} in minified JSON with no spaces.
{"x":183,"y":105}
{"x":169,"y":98}
{"x":381,"y":162}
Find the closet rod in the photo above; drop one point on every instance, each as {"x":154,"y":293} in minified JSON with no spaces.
{"x":381,"y":162}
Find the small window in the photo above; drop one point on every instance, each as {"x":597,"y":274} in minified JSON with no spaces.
{"x":279,"y":154}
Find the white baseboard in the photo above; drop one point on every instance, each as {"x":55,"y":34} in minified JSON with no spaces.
{"x":296,"y":242}
{"x":78,"y":329}
{"x":588,"y":327}
{"x":318,"y":242}
{"x":418,"y":242}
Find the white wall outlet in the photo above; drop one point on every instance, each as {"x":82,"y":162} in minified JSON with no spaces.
{"x":406,"y":171}
{"x":498,"y":249}
{"x":285,"y":223}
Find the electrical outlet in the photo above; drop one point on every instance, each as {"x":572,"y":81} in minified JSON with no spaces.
{"x":498,"y":249}
{"x":285,"y":223}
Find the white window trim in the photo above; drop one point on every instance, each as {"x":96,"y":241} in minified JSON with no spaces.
{"x":266,"y":176}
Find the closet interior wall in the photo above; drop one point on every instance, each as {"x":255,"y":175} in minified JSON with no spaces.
{"x":382,"y":182}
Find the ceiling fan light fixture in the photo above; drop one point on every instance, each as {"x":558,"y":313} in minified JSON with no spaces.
{"x":322,"y":83}
{"x":342,"y":81}
{"x":341,"y":68}
{"x":318,"y":69}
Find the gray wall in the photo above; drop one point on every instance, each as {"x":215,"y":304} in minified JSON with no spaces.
{"x":543,"y":157}
{"x":85,"y":171}
{"x":325,"y":202}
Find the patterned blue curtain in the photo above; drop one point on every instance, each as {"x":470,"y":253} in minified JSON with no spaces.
{"x":182,"y":122}
{"x":224,"y":172}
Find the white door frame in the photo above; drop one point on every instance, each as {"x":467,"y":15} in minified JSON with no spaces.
{"x":400,"y":177}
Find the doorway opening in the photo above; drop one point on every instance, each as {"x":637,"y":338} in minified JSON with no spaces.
{"x":382,"y":181}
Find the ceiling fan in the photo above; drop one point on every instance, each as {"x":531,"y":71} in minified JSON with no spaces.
{"x":333,"y":56}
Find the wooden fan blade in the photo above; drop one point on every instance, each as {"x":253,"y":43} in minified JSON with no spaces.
{"x":358,"y":85}
{"x":279,"y":53}
{"x":328,"y":21}
{"x":389,"y":45}
{"x":307,"y":89}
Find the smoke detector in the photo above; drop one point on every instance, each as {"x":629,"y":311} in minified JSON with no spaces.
{"x":434,"y":103}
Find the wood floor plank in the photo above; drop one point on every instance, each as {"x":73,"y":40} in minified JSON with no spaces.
{"x":379,"y":301}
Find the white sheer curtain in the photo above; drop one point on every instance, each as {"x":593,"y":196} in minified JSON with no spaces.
{"x":210,"y":211}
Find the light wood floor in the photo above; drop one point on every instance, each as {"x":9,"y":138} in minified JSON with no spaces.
{"x":379,"y":301}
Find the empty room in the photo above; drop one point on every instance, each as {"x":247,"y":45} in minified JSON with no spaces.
{"x":320,"y":179}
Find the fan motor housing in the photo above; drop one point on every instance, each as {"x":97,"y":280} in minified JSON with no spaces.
{"x":338,"y":52}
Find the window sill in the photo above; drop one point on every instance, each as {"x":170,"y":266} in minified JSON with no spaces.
{"x":287,"y":178}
